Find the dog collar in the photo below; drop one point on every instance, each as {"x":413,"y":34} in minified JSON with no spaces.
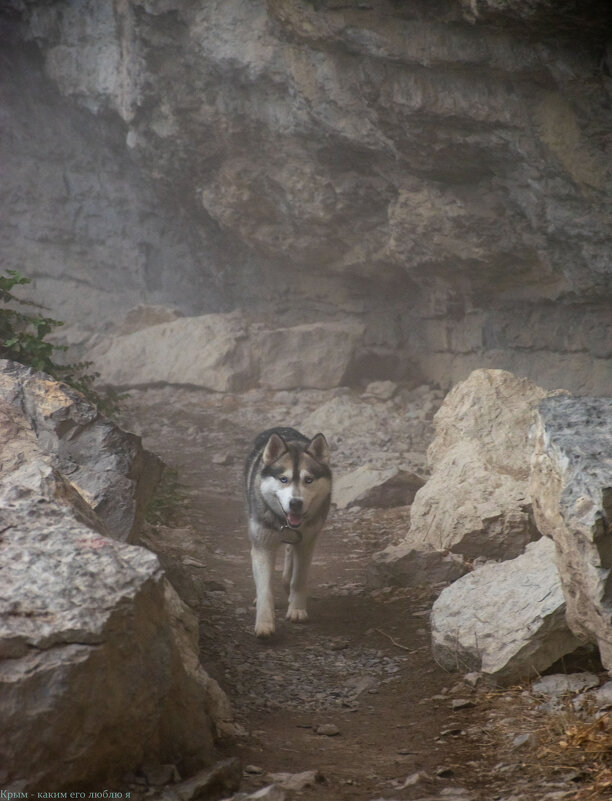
{"x":295,"y":531}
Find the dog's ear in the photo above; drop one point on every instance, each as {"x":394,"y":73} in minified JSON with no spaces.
{"x":319,"y":449}
{"x":275,"y":447}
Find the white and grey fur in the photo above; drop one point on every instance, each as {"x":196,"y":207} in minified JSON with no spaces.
{"x":288,"y":487}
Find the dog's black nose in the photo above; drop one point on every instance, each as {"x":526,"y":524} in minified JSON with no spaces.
{"x":296,"y":504}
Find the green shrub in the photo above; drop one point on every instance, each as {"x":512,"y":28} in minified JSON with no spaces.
{"x":22,"y":339}
{"x":170,"y":498}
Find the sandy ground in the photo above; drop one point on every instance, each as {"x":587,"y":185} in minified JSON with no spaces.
{"x":403,"y":728}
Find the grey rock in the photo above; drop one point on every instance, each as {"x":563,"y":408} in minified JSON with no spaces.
{"x":522,"y":630}
{"x":374,"y":487}
{"x":409,"y":565}
{"x":476,"y":502}
{"x":561,"y":684}
{"x":222,"y":352}
{"x":295,"y":782}
{"x":571,"y":485}
{"x":83,"y":617}
{"x":462,"y":703}
{"x":361,"y":684}
{"x":107,"y":467}
{"x":209,"y":352}
{"x":222,"y":779}
{"x":315,"y":355}
{"x":525,"y":739}
{"x":327,"y":730}
{"x":603,"y":696}
{"x":414,"y":779}
{"x":383,"y":390}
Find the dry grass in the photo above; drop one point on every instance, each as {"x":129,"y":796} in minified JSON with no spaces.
{"x":569,"y":746}
{"x":568,"y":751}
{"x":584,"y":747}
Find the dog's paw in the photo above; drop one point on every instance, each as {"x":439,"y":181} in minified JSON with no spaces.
{"x":264,"y":630}
{"x":297,"y":615}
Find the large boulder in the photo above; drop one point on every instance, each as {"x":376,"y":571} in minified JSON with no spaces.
{"x":108,"y":467}
{"x":477,"y":502}
{"x":99,"y":667}
{"x":401,"y":565}
{"x":316,"y":355}
{"x":211,"y":352}
{"x":223,"y":353}
{"x":571,"y":485}
{"x":376,"y":487}
{"x":504,"y":619}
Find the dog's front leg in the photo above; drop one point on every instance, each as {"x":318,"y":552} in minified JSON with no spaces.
{"x":288,"y":568}
{"x":263,"y":568}
{"x":298,"y":589}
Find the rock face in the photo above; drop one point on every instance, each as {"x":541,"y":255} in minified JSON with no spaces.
{"x":223,"y":353}
{"x":99,"y":667}
{"x":440,"y":170}
{"x":208,"y":351}
{"x":572,"y":489}
{"x":108,"y":467}
{"x":316,"y":355}
{"x":506,"y":620}
{"x":476,"y":502}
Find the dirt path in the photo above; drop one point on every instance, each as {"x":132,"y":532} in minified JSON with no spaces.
{"x":362,"y":664}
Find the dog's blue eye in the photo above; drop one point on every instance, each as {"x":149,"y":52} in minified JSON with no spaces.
{"x":284,"y":479}
{"x":308,"y":480}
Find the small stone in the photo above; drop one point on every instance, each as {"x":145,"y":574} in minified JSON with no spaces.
{"x":560,"y":684}
{"x":603,"y":696}
{"x":415,"y":778}
{"x":384,"y":390}
{"x":225,"y":776}
{"x":527,"y":738}
{"x":296,"y":782}
{"x":444,"y":773}
{"x":270,"y":793}
{"x":462,"y":703}
{"x":453,"y":731}
{"x":223,"y":459}
{"x":254,"y":770}
{"x":327,"y":730}
{"x":472,"y":678}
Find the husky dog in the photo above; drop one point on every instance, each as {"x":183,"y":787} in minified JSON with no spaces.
{"x":288,"y":487}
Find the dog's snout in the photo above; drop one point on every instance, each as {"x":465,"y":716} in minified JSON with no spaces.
{"x":296,"y":504}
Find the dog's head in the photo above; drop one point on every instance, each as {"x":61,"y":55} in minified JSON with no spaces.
{"x":296,"y":477}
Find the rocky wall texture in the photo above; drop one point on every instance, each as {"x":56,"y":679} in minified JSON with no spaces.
{"x":571,"y":484}
{"x":440,"y":171}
